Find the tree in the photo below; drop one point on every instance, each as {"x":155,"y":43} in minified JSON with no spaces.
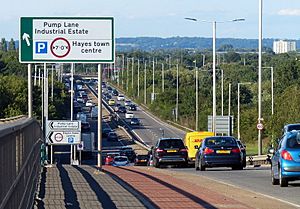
{"x":226,"y":47}
{"x":12,"y":45}
{"x":3,"y":45}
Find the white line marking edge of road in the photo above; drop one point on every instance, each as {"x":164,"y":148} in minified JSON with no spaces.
{"x":265,"y":195}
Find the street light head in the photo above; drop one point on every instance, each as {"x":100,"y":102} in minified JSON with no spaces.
{"x":238,"y":20}
{"x":192,"y":19}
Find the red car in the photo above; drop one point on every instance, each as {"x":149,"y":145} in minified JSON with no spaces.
{"x":109,"y":160}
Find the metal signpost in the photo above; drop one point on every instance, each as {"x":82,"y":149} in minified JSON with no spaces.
{"x":67,"y":40}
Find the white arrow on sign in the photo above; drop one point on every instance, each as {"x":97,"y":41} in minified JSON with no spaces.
{"x":26,"y":37}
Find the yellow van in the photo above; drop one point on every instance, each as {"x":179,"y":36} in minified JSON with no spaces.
{"x":193,"y":141}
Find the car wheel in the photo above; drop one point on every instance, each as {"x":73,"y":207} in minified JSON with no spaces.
{"x":282,"y":181}
{"x":239,"y":167}
{"x":156,"y":164}
{"x":244,"y":163}
{"x":201,"y":167}
{"x":197,"y":166}
{"x":274,"y":181}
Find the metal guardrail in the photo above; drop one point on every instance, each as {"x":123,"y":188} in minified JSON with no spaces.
{"x":258,"y":160}
{"x":11,"y":119}
{"x":19,"y":164}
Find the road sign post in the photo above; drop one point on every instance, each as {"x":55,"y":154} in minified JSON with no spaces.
{"x":67,"y":39}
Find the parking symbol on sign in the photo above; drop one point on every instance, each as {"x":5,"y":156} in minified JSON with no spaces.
{"x":41,"y":47}
{"x":70,"y":140}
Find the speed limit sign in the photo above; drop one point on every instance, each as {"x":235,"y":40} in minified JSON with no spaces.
{"x":260,"y":126}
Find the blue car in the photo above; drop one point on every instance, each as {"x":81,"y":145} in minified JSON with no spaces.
{"x":286,"y":159}
{"x":219,"y":151}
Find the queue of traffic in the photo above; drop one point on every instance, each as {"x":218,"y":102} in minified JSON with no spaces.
{"x":204,"y":150}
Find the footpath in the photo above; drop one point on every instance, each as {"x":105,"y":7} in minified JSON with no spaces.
{"x":66,"y":186}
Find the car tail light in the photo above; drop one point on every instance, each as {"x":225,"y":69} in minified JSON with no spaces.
{"x":286,"y":155}
{"x":208,"y":151}
{"x":236,"y":150}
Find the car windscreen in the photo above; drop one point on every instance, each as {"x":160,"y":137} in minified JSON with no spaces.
{"x":171,"y":143}
{"x":220,"y":142}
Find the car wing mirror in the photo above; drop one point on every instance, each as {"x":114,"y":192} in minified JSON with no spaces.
{"x":196,"y":147}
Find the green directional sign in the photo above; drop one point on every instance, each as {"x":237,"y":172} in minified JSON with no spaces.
{"x":67,"y":39}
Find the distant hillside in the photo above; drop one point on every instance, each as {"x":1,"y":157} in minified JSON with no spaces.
{"x":155,"y":43}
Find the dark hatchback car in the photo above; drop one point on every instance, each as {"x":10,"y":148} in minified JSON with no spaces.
{"x":169,"y":151}
{"x":129,"y":152}
{"x":134,"y":122}
{"x":132,"y":107}
{"x":141,"y":160}
{"x":115,"y":92}
{"x":122,"y":109}
{"x":219,"y":151}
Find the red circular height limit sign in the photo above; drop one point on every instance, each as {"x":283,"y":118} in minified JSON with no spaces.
{"x":60,"y":47}
{"x":58,"y":137}
{"x":260,"y":126}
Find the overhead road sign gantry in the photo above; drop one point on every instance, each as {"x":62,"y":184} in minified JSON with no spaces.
{"x":67,"y":39}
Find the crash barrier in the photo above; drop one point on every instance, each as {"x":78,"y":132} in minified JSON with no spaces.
{"x":20,"y":145}
{"x":11,"y":119}
{"x":258,"y":160}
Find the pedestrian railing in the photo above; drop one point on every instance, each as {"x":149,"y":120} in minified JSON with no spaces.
{"x":20,"y":165}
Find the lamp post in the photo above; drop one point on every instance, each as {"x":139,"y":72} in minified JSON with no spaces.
{"x":127,"y":68}
{"x":153,"y":83}
{"x":214,"y":24}
{"x":245,"y":83}
{"x":177,"y":90}
{"x":197,"y":88}
{"x":229,"y":98}
{"x":145,"y":83}
{"x":132,"y":65}
{"x":162,"y":77}
{"x":259,"y":74}
{"x":138,"y":66}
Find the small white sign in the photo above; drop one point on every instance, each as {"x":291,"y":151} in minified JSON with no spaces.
{"x":80,"y":146}
{"x":63,"y":125}
{"x":64,"y":137}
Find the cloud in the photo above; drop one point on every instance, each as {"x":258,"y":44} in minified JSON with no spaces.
{"x":289,"y":12}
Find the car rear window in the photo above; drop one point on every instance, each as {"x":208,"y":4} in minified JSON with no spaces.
{"x":120,"y":159}
{"x":171,"y":143}
{"x":293,"y":127}
{"x":220,"y":141}
{"x":293,"y":142}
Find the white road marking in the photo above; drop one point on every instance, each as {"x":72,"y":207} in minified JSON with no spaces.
{"x":258,"y":193}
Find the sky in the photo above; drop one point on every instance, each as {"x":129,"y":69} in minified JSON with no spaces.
{"x":165,"y":18}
